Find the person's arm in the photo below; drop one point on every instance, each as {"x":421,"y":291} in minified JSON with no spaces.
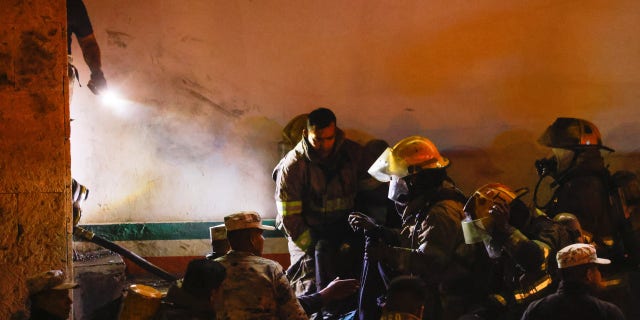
{"x":336,"y":290}
{"x":78,"y":22}
{"x":436,"y":240}
{"x":91,"y":54}
{"x":286,"y":301}
{"x":289,"y":186}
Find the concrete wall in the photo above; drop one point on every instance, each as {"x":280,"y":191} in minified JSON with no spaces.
{"x":34,"y":147}
{"x":210,"y":84}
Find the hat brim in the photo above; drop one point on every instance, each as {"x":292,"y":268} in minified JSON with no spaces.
{"x":602,"y":261}
{"x":66,"y":286}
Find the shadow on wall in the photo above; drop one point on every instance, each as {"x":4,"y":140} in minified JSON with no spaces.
{"x":509,"y":160}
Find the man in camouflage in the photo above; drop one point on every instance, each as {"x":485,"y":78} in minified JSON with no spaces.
{"x":255,"y":287}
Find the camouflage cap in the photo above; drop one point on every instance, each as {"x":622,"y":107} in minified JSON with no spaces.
{"x":49,"y":280}
{"x":218,"y":232}
{"x":245,"y":220}
{"x":578,"y":254}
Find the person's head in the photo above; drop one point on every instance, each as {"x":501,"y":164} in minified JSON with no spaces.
{"x":579,"y":262}
{"x":219,"y":242}
{"x":413,"y":164}
{"x":321,"y":131}
{"x":244,"y":231}
{"x":406,"y":294}
{"x":48,"y":291}
{"x":573,"y":227}
{"x":568,"y":137}
{"x":203,"y":278}
{"x":479,"y":222}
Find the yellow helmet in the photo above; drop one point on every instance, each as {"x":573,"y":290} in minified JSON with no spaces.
{"x":569,"y":133}
{"x":409,"y":156}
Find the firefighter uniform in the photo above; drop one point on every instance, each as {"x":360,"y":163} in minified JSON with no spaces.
{"x":314,"y":196}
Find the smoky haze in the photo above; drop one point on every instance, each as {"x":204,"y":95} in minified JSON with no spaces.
{"x":210,"y":84}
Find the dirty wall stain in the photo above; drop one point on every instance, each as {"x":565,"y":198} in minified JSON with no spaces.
{"x":36,"y":58}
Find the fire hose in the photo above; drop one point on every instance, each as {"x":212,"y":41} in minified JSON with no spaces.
{"x":140,"y":261}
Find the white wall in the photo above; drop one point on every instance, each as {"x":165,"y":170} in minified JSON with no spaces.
{"x":212,"y":83}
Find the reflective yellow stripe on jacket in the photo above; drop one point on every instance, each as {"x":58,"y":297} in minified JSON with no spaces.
{"x":334,"y":205}
{"x":288,"y":208}
{"x":304,"y":240}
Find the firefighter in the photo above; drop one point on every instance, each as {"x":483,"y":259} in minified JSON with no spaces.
{"x":584,"y":185}
{"x":521,"y":243}
{"x":316,"y":186}
{"x":430,"y":242}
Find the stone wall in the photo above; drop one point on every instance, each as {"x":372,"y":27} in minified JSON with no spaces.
{"x":35,"y":222}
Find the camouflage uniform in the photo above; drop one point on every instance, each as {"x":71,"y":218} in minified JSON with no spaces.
{"x":314,"y":196}
{"x":255,"y":288}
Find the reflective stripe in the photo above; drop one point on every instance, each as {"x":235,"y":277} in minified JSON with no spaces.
{"x":521,"y":295}
{"x":546,"y":251}
{"x":288,"y":208}
{"x":304,"y":240}
{"x":338,"y":204}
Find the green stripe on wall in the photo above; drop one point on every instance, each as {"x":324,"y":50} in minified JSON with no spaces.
{"x":163,"y":230}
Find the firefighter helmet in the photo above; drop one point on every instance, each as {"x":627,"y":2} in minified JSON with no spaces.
{"x":570,"y":133}
{"x":478,"y":224}
{"x":409,"y":156}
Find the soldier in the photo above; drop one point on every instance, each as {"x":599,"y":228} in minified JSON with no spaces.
{"x":578,"y":268}
{"x":219,"y":242}
{"x":255,"y":287}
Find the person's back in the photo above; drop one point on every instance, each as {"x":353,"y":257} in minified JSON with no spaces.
{"x":255,"y":287}
{"x":571,"y":302}
{"x":251,"y":283}
{"x":578,"y":269}
{"x":193,"y":298}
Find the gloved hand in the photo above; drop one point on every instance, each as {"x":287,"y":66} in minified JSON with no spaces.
{"x":360,"y":221}
{"x":97,"y":84}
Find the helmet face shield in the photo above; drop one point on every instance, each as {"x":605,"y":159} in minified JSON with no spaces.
{"x":478,"y":224}
{"x":563,"y":157}
{"x":474,"y":231}
{"x":386,"y":166}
